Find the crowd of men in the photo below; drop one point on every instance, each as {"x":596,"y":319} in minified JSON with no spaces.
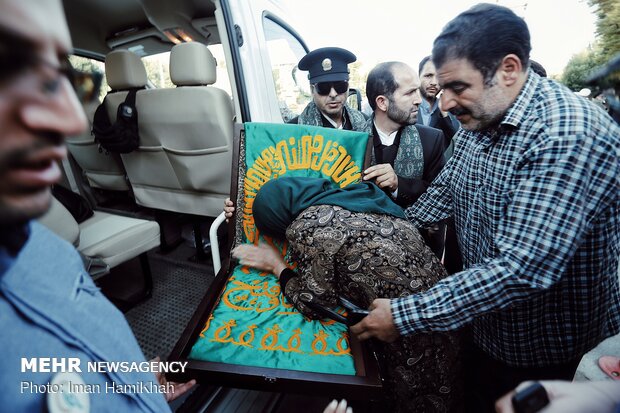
{"x":531,"y":185}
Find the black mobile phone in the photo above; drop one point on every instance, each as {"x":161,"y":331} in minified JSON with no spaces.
{"x":531,"y":399}
{"x":355,"y":314}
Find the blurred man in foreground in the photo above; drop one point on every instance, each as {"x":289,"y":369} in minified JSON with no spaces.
{"x":49,"y":305}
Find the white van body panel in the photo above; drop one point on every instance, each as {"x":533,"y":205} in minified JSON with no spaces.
{"x":255,"y":64}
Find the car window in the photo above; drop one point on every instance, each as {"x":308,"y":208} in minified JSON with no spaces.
{"x":90,"y":80}
{"x":158,"y":69}
{"x":285,"y":50}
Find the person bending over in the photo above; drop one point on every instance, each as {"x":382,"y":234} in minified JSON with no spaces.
{"x":355,"y":243}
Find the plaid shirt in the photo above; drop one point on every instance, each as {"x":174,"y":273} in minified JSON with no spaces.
{"x":536,"y":204}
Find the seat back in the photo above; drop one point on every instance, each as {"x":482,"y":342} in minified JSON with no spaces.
{"x":102,"y":169}
{"x":186,"y":133}
{"x":112,"y":238}
{"x":60,"y":221}
{"x":124,"y":70}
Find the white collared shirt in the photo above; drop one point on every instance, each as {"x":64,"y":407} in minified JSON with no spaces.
{"x":334,"y":124}
{"x":387,"y":140}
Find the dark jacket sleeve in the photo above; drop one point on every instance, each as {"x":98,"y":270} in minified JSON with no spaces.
{"x":409,"y":190}
{"x":448,"y":125}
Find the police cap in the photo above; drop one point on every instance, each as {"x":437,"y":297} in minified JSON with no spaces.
{"x":327,"y":64}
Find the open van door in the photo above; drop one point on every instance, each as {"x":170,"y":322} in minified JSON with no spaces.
{"x":264,"y":50}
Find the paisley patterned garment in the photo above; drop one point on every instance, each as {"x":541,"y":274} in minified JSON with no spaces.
{"x":363,"y":256}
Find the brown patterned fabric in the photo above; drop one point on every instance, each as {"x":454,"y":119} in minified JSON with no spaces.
{"x":363,"y":256}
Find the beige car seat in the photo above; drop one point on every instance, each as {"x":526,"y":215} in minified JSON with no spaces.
{"x":184,"y":160}
{"x":101,"y":168}
{"x":112,"y":238}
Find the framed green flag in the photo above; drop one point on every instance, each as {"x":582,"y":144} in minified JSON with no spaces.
{"x":248,"y":324}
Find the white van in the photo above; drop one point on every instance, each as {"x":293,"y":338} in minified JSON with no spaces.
{"x":171,"y":179}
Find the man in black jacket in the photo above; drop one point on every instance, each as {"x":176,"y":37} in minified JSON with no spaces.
{"x":406,"y":157}
{"x":429,"y":112}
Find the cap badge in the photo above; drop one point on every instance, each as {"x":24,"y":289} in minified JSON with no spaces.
{"x":327,"y":64}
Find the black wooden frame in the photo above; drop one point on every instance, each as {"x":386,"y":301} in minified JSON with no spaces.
{"x":365,"y":385}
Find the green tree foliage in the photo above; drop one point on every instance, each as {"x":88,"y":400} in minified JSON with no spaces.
{"x":357,"y":77}
{"x":607,"y":26}
{"x":158,"y":71}
{"x":85,"y":67}
{"x":580,"y":66}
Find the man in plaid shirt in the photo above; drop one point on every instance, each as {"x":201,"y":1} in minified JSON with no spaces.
{"x":534,"y":189}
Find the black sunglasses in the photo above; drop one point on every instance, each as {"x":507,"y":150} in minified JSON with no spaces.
{"x":323,"y":88}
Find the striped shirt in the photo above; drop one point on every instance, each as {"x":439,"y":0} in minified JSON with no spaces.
{"x":536,"y":204}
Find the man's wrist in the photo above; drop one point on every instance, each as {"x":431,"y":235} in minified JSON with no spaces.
{"x":278,"y":268}
{"x":404,"y":314}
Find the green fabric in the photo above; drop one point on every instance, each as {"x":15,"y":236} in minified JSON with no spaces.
{"x":276,"y":150}
{"x":279,"y":201}
{"x":252,"y":323}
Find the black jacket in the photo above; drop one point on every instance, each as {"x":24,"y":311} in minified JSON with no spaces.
{"x":410,"y":189}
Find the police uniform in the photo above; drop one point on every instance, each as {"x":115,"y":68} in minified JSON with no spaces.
{"x":328,"y":64}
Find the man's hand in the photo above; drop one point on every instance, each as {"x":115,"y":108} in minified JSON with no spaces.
{"x":438,"y":97}
{"x":568,"y":397}
{"x":178,"y":389}
{"x":263,"y":257}
{"x":384,"y":176}
{"x":229,"y":209}
{"x":379,"y":323}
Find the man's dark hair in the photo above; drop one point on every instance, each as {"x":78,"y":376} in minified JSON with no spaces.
{"x":422,"y":63}
{"x":381,"y":81}
{"x":483,"y":35}
{"x":538,"y":68}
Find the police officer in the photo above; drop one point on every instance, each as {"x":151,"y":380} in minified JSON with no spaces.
{"x":329,"y":81}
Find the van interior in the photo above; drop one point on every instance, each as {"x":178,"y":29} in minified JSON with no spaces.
{"x":146,"y":243}
{"x":198,"y":69}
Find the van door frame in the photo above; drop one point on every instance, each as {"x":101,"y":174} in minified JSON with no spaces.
{"x":244,"y":46}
